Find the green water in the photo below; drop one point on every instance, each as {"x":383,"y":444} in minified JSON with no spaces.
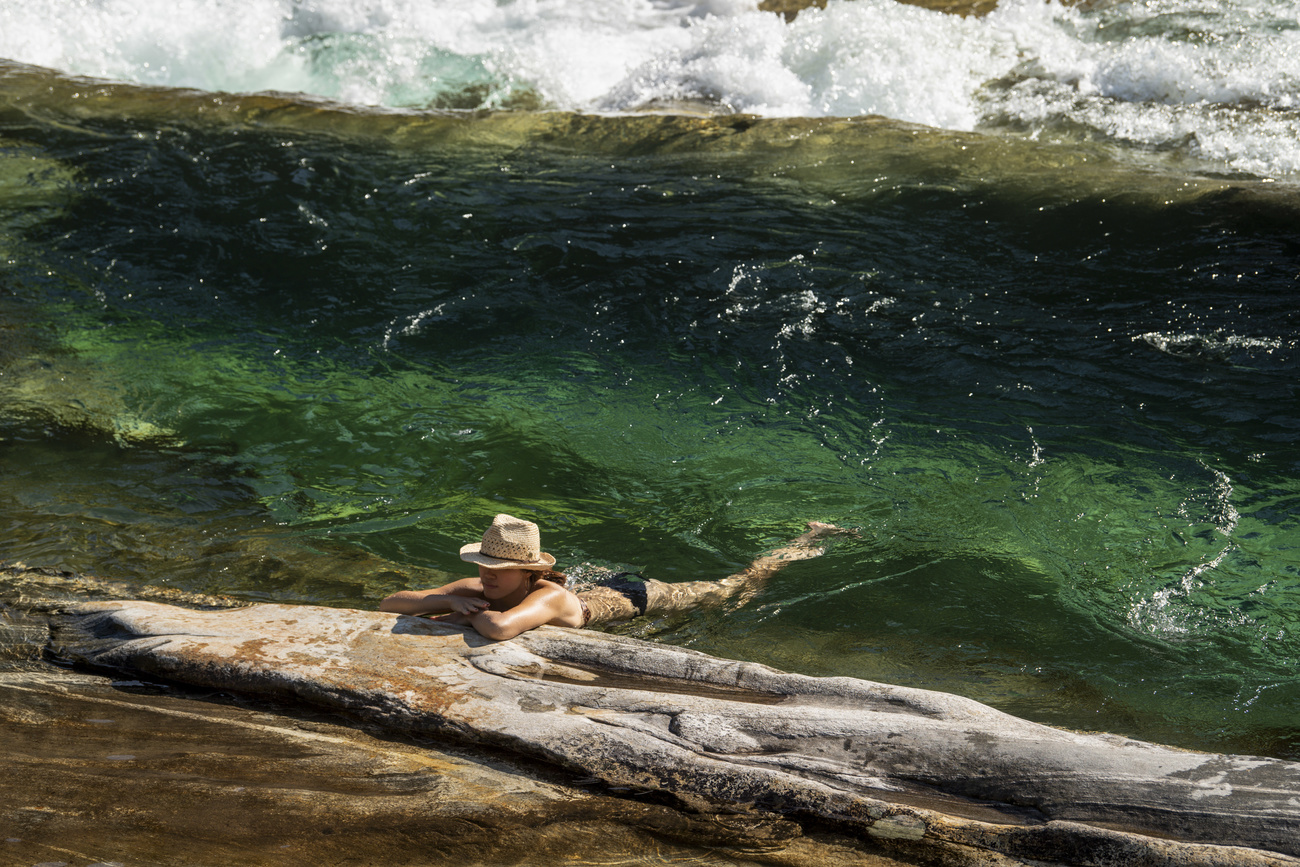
{"x":305,"y":360}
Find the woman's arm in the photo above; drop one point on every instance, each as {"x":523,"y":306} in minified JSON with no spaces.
{"x":458,"y":597}
{"x":544,"y":605}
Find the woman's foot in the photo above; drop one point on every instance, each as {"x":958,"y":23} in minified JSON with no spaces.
{"x":819,"y":529}
{"x":805,"y":546}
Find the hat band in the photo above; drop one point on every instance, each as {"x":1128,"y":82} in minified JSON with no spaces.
{"x":529,"y":556}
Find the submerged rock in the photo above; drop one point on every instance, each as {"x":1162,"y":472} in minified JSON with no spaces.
{"x":918,"y":774}
{"x":62,"y":390}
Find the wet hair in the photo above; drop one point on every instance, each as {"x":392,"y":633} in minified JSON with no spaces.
{"x":550,"y":575}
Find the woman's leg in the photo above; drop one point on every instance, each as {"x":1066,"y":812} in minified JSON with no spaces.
{"x":623,"y":599}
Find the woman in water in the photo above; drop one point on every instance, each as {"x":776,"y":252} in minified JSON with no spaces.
{"x":518,"y":589}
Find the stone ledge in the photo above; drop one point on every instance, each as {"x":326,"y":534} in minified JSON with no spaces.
{"x":920,"y":775}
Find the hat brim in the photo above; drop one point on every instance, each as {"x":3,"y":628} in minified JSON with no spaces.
{"x":471,"y":553}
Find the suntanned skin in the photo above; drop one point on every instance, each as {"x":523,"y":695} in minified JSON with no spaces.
{"x":499,"y":603}
{"x":502,"y":603}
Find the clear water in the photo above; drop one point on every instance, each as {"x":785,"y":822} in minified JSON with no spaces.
{"x":273,"y":349}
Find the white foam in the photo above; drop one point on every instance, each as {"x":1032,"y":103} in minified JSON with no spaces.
{"x":854,"y":58}
{"x":1217,"y":81}
{"x":1221,"y":80}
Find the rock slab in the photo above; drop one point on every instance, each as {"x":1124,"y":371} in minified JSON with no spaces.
{"x":935,"y":775}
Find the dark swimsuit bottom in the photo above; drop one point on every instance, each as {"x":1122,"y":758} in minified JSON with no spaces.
{"x":630,"y":584}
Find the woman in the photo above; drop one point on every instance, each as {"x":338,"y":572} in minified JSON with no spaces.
{"x":518,"y":589}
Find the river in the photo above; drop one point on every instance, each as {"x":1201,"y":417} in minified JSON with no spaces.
{"x":297,"y":295}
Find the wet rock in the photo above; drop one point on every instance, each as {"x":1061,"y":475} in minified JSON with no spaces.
{"x":915,"y":774}
{"x":790,"y":9}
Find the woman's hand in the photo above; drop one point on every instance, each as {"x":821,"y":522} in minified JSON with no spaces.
{"x":463,"y":610}
{"x":466,"y":605}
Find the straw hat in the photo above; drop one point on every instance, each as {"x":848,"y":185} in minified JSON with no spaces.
{"x":510,"y":543}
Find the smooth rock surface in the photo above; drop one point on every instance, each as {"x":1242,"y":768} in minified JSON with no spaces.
{"x":99,"y":771}
{"x":920,"y":774}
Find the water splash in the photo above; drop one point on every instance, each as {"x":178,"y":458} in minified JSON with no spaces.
{"x":1216,"y":82}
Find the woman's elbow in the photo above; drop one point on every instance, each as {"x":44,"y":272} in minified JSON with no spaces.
{"x":489,"y":628}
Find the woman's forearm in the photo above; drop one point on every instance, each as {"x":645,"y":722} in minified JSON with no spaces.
{"x":497,"y":625}
{"x":416,"y":602}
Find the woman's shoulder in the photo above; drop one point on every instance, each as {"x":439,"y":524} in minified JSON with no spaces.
{"x":566,"y":607}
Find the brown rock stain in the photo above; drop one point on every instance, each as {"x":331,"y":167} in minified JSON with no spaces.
{"x":253,"y":649}
{"x":299,"y":658}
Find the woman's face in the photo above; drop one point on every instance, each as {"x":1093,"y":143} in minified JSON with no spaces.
{"x":500,"y":583}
